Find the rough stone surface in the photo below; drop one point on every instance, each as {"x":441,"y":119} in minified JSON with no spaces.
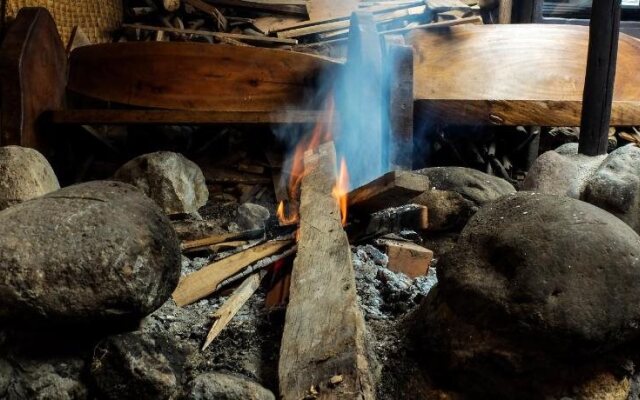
{"x":226,"y":387}
{"x":562,"y":171}
{"x":138,"y":366}
{"x":457,"y":193}
{"x":548,"y":267}
{"x":252,"y":216}
{"x":43,"y":379}
{"x":98,"y":251}
{"x":175,"y":183}
{"x":615,"y":185}
{"x":24,"y":174}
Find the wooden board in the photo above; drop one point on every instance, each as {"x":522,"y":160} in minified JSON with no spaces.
{"x":196,"y":76}
{"x":324,"y":327}
{"x":393,"y":189}
{"x":325,"y":9}
{"x":33,"y":68}
{"x":515,"y":75}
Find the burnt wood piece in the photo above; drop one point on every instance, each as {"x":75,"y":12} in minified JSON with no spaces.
{"x":523,"y":74}
{"x":324,"y":332}
{"x":399,"y":61}
{"x":393,"y":189}
{"x":285,"y":9}
{"x":33,"y":67}
{"x":261,"y":40}
{"x":209,"y":78}
{"x":206,"y":8}
{"x":392,"y":220}
{"x":131,"y":117}
{"x":604,"y":32}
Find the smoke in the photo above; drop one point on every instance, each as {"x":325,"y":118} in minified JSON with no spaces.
{"x":360,"y":128}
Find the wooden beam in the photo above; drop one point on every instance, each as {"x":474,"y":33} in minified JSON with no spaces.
{"x":324,"y":332}
{"x":132,"y":117}
{"x":205,"y":281}
{"x":604,"y":32}
{"x":393,"y":189}
{"x":523,"y":74}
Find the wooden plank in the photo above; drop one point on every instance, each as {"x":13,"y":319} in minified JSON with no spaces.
{"x":407,"y":257}
{"x":390,"y":190}
{"x":604,"y":31}
{"x":325,"y":9}
{"x":132,"y":117}
{"x":324,"y":332}
{"x":524,"y":74}
{"x":199,"y":244}
{"x":205,"y":281}
{"x":210,"y":77}
{"x":230,"y":308}
{"x":236,"y":36}
{"x":399,"y":64}
{"x":391,"y":220}
{"x":33,"y":66}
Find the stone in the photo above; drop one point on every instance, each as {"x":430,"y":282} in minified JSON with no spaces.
{"x":138,"y":366}
{"x":252,"y":216}
{"x":457,"y":193}
{"x":175,"y":183}
{"x":47,"y":379}
{"x":220,"y":386}
{"x":24,"y":174}
{"x":558,"y":271}
{"x":562,"y":171}
{"x":615,"y":185}
{"x":94,"y":252}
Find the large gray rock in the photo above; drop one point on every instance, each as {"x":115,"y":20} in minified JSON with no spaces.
{"x":138,"y":366}
{"x":221,"y":386}
{"x":562,"y":171}
{"x":175,"y":183}
{"x":252,"y":216}
{"x":457,"y":193}
{"x":98,"y":251}
{"x":615,"y":185}
{"x":48,"y":379}
{"x":24,"y":174}
{"x":549,"y":267}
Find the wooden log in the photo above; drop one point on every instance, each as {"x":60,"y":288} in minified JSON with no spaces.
{"x":204,"y":243}
{"x":33,"y":66}
{"x":134,"y":117}
{"x":522,"y":74}
{"x":217,"y":78}
{"x":392,"y":220}
{"x":230,"y":308}
{"x":505,"y":11}
{"x":604,"y":32}
{"x":399,"y":63}
{"x":324,"y":332}
{"x":209,"y":10}
{"x":205,"y":281}
{"x":390,"y":190}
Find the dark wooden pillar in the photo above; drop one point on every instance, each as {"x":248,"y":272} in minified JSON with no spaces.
{"x":604,"y":31}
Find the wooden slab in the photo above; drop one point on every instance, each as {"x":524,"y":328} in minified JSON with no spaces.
{"x":33,"y":68}
{"x":515,"y":75}
{"x":324,"y":327}
{"x":195,"y":76}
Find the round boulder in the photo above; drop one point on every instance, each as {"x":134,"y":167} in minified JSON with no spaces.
{"x":175,"y":183}
{"x":557,"y":270}
{"x":24,"y":174}
{"x":615,"y":185}
{"x":221,"y":386}
{"x":98,"y":251}
{"x":457,"y":193}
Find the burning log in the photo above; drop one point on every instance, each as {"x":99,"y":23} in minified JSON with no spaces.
{"x":324,"y":327}
{"x":390,"y":190}
{"x":207,"y":280}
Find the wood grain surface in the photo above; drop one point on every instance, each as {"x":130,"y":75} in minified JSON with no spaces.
{"x":515,"y":74}
{"x":196,"y":76}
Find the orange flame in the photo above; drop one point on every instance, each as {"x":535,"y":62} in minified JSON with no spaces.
{"x":341,"y":189}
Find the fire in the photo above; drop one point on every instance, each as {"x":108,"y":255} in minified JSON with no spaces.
{"x":341,"y":189}
{"x":321,"y":133}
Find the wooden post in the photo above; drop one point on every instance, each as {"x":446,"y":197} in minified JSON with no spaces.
{"x":604,"y":31}
{"x":324,"y":333}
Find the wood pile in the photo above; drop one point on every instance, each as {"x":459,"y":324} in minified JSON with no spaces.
{"x":279,"y":23}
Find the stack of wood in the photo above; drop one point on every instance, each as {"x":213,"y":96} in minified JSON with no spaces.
{"x":279,"y":23}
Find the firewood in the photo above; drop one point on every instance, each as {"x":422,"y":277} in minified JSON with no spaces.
{"x":406,"y":257}
{"x":205,"y":281}
{"x":171,"y":5}
{"x":324,"y":332}
{"x":392,"y":220}
{"x":254,"y":169}
{"x":390,"y":190}
{"x":200,"y":244}
{"x":228,"y":310}
{"x":216,"y":248}
{"x":218,"y":175}
{"x":287,"y":9}
{"x":237,"y":36}
{"x":210,"y":10}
